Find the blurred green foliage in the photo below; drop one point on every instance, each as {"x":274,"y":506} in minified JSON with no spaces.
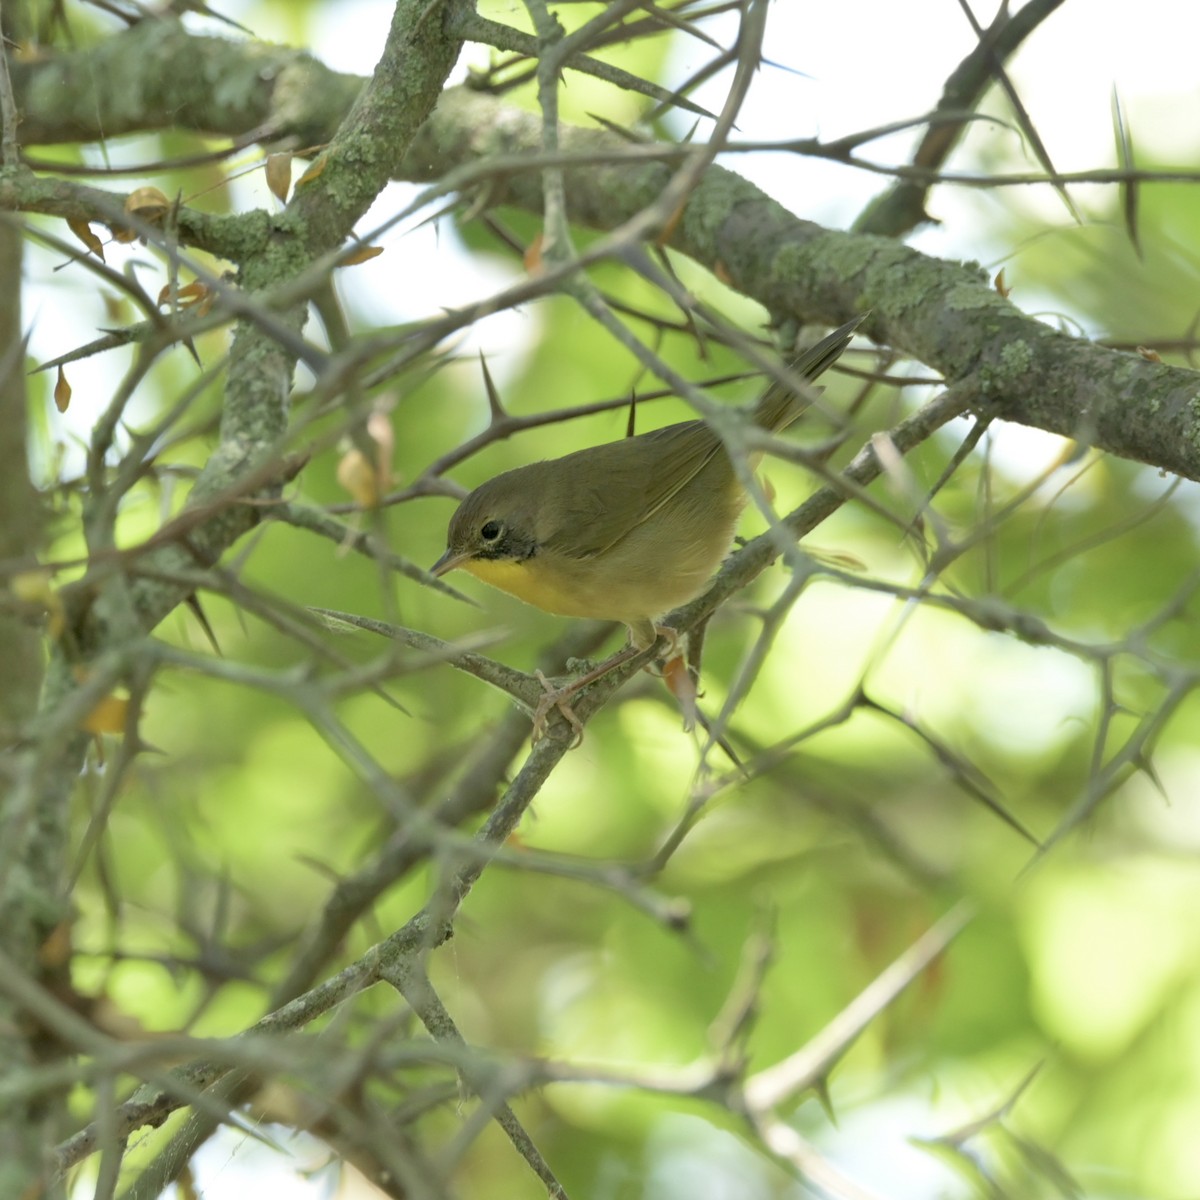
{"x":1085,"y":961}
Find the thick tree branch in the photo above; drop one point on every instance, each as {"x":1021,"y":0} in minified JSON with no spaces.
{"x":996,"y":360}
{"x":158,"y":76}
{"x":319,"y":217}
{"x":29,"y":889}
{"x":943,"y":314}
{"x":108,"y":621}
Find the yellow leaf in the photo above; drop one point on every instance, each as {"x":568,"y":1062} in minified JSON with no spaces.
{"x":279,"y":175}
{"x":357,"y":476}
{"x":203,"y":304}
{"x":62,"y":392}
{"x":189,"y":294}
{"x":148,"y":204}
{"x":55,"y":951}
{"x":313,"y":172}
{"x":384,"y":436}
{"x":369,"y":481}
{"x":533,"y":255}
{"x":361,"y":255}
{"x":115,"y":307}
{"x":83,"y":231}
{"x":835,"y":558}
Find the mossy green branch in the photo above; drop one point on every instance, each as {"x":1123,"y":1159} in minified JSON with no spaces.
{"x":945,"y":314}
{"x":360,"y":159}
{"x":156,"y":75}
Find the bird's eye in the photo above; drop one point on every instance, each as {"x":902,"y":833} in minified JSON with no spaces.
{"x":491,"y":531}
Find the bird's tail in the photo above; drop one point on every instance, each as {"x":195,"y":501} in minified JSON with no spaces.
{"x":780,"y":405}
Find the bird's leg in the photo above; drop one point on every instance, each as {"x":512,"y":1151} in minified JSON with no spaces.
{"x":559,"y":697}
{"x":555,"y":698}
{"x":677,"y":643}
{"x":675,"y":673}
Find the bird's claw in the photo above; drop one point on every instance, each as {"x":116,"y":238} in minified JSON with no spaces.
{"x":556,"y":698}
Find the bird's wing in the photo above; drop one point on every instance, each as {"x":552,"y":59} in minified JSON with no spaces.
{"x":622,"y":484}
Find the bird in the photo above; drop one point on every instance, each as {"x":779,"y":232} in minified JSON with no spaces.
{"x":624,"y":531}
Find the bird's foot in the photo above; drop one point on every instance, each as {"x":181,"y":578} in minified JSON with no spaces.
{"x":556,"y":698}
{"x":677,"y":643}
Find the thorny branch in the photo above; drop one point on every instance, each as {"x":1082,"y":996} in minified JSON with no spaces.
{"x":646,"y":198}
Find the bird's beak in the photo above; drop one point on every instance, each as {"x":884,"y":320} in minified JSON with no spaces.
{"x":449,"y":561}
